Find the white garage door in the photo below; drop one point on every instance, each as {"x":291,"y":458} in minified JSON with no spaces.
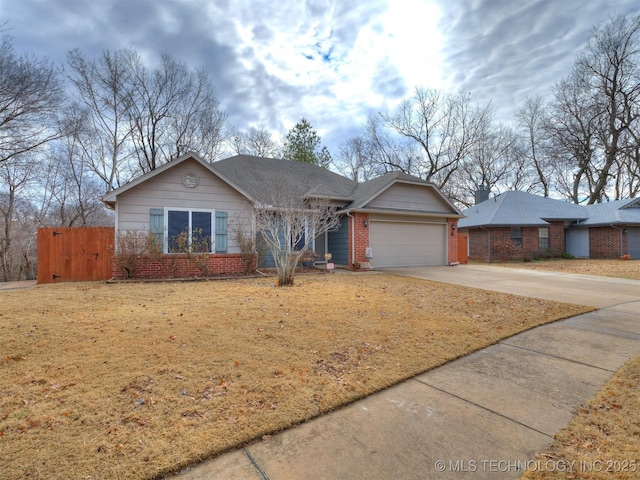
{"x":403,"y":244}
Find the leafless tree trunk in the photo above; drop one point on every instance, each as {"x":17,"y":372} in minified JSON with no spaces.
{"x":495,"y":161}
{"x":612,"y":72}
{"x":531,"y":119}
{"x":357,"y":160}
{"x":257,"y":142}
{"x":198,"y":124}
{"x":104,"y":88}
{"x":288,"y":223}
{"x":173,"y":109}
{"x":444,"y":126}
{"x":30,"y":95}
{"x":571,"y":130}
{"x":15,"y":175}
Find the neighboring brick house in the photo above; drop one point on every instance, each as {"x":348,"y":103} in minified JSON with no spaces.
{"x":392,"y":220}
{"x":518,"y":225}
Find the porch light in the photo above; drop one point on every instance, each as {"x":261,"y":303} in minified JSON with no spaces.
{"x":453,"y":229}
{"x":365,"y":223}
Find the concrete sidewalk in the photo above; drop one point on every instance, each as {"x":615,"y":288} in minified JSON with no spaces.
{"x":483,"y":416}
{"x":21,"y":285}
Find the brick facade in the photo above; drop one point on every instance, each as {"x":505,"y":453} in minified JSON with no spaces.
{"x":604,"y":242}
{"x":358,"y":232}
{"x":452,"y":241}
{"x":496,"y":245}
{"x":183,"y":266}
{"x":607,"y":242}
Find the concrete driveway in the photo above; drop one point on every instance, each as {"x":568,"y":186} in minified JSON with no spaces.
{"x":483,"y":416}
{"x":571,"y":288}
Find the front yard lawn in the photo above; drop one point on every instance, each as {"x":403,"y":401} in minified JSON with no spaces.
{"x":138,"y":380}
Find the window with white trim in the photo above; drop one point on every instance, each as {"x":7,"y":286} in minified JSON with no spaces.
{"x":189,"y":230}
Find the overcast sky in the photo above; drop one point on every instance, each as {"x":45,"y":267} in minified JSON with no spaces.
{"x":333,"y":62}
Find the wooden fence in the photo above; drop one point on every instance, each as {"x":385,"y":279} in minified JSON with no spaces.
{"x":75,"y":254}
{"x":463,"y":248}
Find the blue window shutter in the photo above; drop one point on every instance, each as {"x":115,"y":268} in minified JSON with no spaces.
{"x":221,"y":232}
{"x":156,"y":225}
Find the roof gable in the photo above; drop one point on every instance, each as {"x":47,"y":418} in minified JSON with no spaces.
{"x":110,"y":198}
{"x":377,"y":194}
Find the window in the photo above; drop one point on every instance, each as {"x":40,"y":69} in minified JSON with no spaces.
{"x":543,"y":237}
{"x":189,"y":230}
{"x":516,"y":236}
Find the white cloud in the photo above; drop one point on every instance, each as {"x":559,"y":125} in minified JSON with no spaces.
{"x":334,"y":62}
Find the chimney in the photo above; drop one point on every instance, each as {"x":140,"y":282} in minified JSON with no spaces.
{"x":482,"y":194}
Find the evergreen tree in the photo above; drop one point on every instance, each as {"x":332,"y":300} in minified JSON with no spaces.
{"x":302,"y":144}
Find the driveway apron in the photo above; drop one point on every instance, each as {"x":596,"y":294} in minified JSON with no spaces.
{"x":483,"y":416}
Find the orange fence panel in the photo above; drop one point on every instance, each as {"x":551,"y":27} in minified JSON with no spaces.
{"x":75,"y":254}
{"x":463,"y":248}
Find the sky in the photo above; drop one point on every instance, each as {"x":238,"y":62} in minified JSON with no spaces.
{"x":334,"y":62}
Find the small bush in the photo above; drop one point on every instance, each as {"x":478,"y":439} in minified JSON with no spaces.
{"x":549,"y":253}
{"x":131,"y":246}
{"x":509,"y":250}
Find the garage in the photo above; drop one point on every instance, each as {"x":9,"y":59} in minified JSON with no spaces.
{"x":633,"y":242}
{"x":406,"y":243}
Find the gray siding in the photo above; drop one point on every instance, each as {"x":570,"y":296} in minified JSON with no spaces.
{"x":166,"y":190}
{"x":338,"y":243}
{"x":402,"y":196}
{"x":633,"y":242}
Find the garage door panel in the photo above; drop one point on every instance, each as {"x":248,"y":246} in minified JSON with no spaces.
{"x":400,"y":244}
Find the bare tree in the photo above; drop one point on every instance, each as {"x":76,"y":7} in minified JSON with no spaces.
{"x":571,"y":130}
{"x":30,"y":95}
{"x":288,"y":223}
{"x":173,"y":109}
{"x":357,"y":160}
{"x":531,"y":120}
{"x":445,"y":127}
{"x":257,"y":142}
{"x":390,"y":152}
{"x":15,"y":175}
{"x":596,"y":114}
{"x":103,"y":87}
{"x":612,"y":72}
{"x":72,"y":191}
{"x":495,"y":161}
{"x":199,"y":125}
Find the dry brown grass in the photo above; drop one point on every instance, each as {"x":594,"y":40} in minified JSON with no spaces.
{"x":608,"y":268}
{"x":603,"y":440}
{"x":137,"y":380}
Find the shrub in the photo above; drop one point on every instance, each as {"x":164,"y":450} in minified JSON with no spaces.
{"x":248,"y":248}
{"x":509,"y":250}
{"x":131,"y":246}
